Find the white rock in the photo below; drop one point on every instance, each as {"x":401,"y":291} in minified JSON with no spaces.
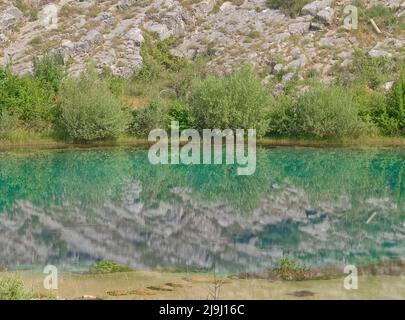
{"x":314,"y":7}
{"x":326,"y":16}
{"x":379,"y":53}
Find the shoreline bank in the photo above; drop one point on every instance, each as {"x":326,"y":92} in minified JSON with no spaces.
{"x":44,"y":144}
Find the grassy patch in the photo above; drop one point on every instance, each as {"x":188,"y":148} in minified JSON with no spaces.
{"x":291,"y":7}
{"x":13,"y":289}
{"x":109,"y":267}
{"x":291,"y":270}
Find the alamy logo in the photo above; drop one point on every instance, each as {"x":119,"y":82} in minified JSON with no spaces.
{"x":351,"y":21}
{"x":51,"y":280}
{"x":49,"y":17}
{"x":187,"y":147}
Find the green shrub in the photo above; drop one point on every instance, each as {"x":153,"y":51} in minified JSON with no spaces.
{"x":109,"y":267}
{"x":371,"y":71}
{"x":13,"y":289}
{"x":291,"y":270}
{"x":394,"y":120}
{"x":382,"y":15}
{"x":236,"y":101}
{"x":372,"y":104}
{"x":146,"y":119}
{"x":8,"y":123}
{"x":36,"y":41}
{"x":157,"y":59}
{"x":292,"y":7}
{"x":24,"y":97}
{"x":180,"y":111}
{"x":49,"y":70}
{"x":322,"y":112}
{"x":89,"y":111}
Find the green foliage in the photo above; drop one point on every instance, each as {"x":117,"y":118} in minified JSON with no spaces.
{"x":13,"y":289}
{"x":109,"y":267}
{"x":180,"y":111}
{"x":382,"y":15}
{"x":235,"y":101}
{"x":36,"y":41}
{"x":291,"y":270}
{"x":24,"y":97}
{"x":157,"y":59}
{"x":395,"y":116}
{"x":153,"y":116}
{"x":8,"y":123}
{"x":371,"y":71}
{"x":372,"y":104}
{"x":322,"y":112}
{"x":292,"y":7}
{"x":89,"y":110}
{"x":49,"y":70}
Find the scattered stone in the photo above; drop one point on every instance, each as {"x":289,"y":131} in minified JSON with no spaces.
{"x":3,"y":39}
{"x":287,"y":77}
{"x":314,"y":7}
{"x":174,"y":285}
{"x":106,"y":17}
{"x":161,"y":288}
{"x":280,"y":37}
{"x":88,"y":297}
{"x":302,"y":294}
{"x":316,"y":26}
{"x":10,"y":18}
{"x":388,"y":85}
{"x":278,"y":67}
{"x":135,"y":34}
{"x":299,"y":28}
{"x":160,"y":29}
{"x":375,"y":53}
{"x":298,"y":63}
{"x":326,"y":16}
{"x":90,"y":39}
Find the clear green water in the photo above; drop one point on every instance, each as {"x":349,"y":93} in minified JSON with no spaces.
{"x":73,"y":208}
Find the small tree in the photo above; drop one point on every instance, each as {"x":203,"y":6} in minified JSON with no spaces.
{"x":49,"y":70}
{"x":236,"y":101}
{"x":396,"y":105}
{"x":89,"y":111}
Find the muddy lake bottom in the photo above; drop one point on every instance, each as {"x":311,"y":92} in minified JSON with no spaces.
{"x":144,"y":285}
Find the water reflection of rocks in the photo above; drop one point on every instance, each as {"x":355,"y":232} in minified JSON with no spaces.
{"x":190,"y":233}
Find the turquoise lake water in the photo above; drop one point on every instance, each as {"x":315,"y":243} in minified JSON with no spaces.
{"x":323,"y":207}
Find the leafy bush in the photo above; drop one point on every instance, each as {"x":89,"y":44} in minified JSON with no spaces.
{"x":371,"y":71}
{"x":109,"y":267}
{"x":394,"y":119}
{"x":24,"y":97}
{"x":322,"y":112}
{"x":13,"y":289}
{"x":382,"y":15}
{"x":157,"y":59}
{"x":89,"y":111}
{"x":49,"y":70}
{"x":291,"y":270}
{"x":236,"y":101}
{"x":180,"y":111}
{"x":8,"y":123}
{"x":292,"y":7}
{"x":372,"y":104}
{"x":153,"y":116}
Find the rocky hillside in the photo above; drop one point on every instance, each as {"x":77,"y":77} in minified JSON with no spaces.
{"x":111,"y":32}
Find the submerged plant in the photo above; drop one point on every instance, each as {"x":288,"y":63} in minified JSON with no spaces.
{"x":109,"y":267}
{"x":291,"y":270}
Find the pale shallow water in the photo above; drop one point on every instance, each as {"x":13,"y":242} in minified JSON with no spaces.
{"x":322,"y":207}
